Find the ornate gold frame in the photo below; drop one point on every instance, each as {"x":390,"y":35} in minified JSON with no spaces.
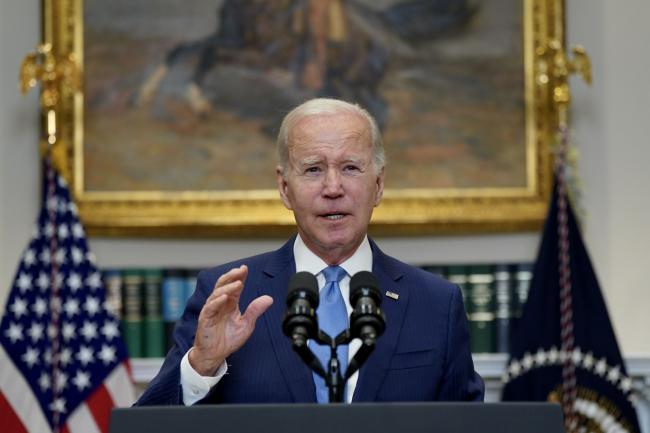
{"x":260,"y":213}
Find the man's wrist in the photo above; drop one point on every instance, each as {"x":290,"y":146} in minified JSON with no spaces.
{"x":202,"y":366}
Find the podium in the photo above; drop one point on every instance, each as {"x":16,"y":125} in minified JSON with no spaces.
{"x":343,"y":418}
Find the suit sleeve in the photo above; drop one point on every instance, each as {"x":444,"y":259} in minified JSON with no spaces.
{"x":460,"y":382}
{"x":165,"y":388}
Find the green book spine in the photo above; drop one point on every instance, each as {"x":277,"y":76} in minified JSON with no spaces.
{"x":505,"y":292}
{"x":523,"y":277}
{"x":457,"y":274}
{"x":132,"y":312}
{"x":154,"y":329}
{"x":481,"y":307}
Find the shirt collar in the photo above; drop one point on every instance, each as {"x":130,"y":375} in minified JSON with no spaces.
{"x":306,"y":260}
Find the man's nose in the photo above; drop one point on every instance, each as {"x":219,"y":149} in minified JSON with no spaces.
{"x":333,"y":186}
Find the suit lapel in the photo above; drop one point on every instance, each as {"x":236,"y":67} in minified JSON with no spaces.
{"x":373,"y":372}
{"x":275,"y":280}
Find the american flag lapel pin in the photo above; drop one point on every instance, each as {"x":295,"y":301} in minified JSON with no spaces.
{"x":392,"y":295}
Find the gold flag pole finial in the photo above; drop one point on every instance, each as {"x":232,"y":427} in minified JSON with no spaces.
{"x":42,"y":65}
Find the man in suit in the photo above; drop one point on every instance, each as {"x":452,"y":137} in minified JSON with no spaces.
{"x":331,"y":175}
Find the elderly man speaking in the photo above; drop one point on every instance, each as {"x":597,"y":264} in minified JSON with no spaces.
{"x":331,"y":175}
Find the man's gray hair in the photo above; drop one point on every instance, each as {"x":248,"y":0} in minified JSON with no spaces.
{"x":327,"y":106}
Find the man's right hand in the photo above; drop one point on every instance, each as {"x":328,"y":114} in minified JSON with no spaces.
{"x":222,"y":329}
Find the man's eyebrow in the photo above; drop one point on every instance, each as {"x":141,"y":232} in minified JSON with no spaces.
{"x":310,"y":160}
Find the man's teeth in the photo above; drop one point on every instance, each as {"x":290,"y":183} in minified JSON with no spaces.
{"x":337,"y":216}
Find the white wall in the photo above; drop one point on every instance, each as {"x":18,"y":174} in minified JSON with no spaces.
{"x":608,"y":122}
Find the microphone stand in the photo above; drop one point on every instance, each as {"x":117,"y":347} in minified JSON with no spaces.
{"x":334,"y":378}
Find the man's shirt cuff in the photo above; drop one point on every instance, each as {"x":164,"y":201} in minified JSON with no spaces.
{"x":195,"y":387}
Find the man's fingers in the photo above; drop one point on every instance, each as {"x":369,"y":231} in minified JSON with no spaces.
{"x":256,"y":308}
{"x":233,"y":288}
{"x":234,"y":274}
{"x":213,"y":306}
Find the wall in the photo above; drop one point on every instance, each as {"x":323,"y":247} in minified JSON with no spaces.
{"x":608,"y":122}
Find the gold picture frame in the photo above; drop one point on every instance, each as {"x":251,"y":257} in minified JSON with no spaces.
{"x":404,"y":211}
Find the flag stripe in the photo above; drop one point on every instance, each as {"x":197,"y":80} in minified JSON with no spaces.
{"x":100,"y":404}
{"x":19,"y":396}
{"x":9,"y":422}
{"x":120,"y":386}
{"x":82,"y":421}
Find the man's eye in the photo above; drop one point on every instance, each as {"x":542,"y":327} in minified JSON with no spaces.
{"x":312,"y":170}
{"x":351,"y":168}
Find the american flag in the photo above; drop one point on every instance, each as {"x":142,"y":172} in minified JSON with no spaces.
{"x":63,"y":362}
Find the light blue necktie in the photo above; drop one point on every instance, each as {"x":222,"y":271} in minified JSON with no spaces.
{"x":332,"y":319}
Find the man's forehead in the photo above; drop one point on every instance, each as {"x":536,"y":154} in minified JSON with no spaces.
{"x":335,"y":129}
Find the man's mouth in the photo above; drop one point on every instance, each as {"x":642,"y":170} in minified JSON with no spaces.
{"x":333,"y":216}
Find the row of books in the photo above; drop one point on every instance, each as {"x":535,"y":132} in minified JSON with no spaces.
{"x":150,"y":301}
{"x":494,"y":297}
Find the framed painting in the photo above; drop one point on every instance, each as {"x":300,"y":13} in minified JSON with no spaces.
{"x":173,"y":131}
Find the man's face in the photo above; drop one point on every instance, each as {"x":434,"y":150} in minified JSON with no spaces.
{"x":331,"y":183}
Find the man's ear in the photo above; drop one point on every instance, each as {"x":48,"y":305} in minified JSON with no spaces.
{"x":283,"y":187}
{"x":380,"y":187}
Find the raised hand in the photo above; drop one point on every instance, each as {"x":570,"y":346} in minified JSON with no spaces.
{"x":221,"y":328}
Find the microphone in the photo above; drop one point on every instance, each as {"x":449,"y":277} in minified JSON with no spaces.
{"x":300,"y":323}
{"x":367,"y":320}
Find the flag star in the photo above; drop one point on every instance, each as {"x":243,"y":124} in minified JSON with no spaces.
{"x":47,"y":356}
{"x":601,"y":367}
{"x":58,"y":280}
{"x":43,"y":281}
{"x":91,"y":257}
{"x":19,"y":307}
{"x":39,"y":307}
{"x":92,"y":306}
{"x":72,"y":208}
{"x":77,"y":230}
{"x":94,"y":280}
{"x":81,"y":380}
{"x":626,"y":384}
{"x":30,"y":257}
{"x":48,"y":230}
{"x":24,"y":282}
{"x":60,"y":256}
{"x":110,"y":330}
{"x":44,"y":382}
{"x":63,"y":231}
{"x":107,"y":354}
{"x":85,"y":355}
{"x":514,"y":369}
{"x":68,"y":331}
{"x":77,"y":255}
{"x":61,"y":182}
{"x":553,"y":355}
{"x":588,"y":361}
{"x":540,"y":357}
{"x":61,"y":381}
{"x":89,"y":330}
{"x":71,"y":307}
{"x":15,"y":332}
{"x":36,"y":331}
{"x":58,"y":405}
{"x":74,"y":281}
{"x":614,"y":374}
{"x":30,"y":357}
{"x":45,"y":256}
{"x":527,"y":362}
{"x":577,"y":356}
{"x":65,"y":356}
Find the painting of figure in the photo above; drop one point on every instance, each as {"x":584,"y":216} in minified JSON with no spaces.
{"x":188,"y":95}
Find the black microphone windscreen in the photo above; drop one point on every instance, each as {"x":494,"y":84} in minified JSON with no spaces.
{"x":364,"y":280}
{"x":303,"y":281}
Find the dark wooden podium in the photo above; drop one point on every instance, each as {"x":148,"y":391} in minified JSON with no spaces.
{"x":343,"y":418}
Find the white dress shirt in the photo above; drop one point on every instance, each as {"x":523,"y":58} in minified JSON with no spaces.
{"x":195,"y":387}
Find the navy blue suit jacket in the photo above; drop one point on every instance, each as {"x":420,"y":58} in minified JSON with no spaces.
{"x":424,"y":355}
